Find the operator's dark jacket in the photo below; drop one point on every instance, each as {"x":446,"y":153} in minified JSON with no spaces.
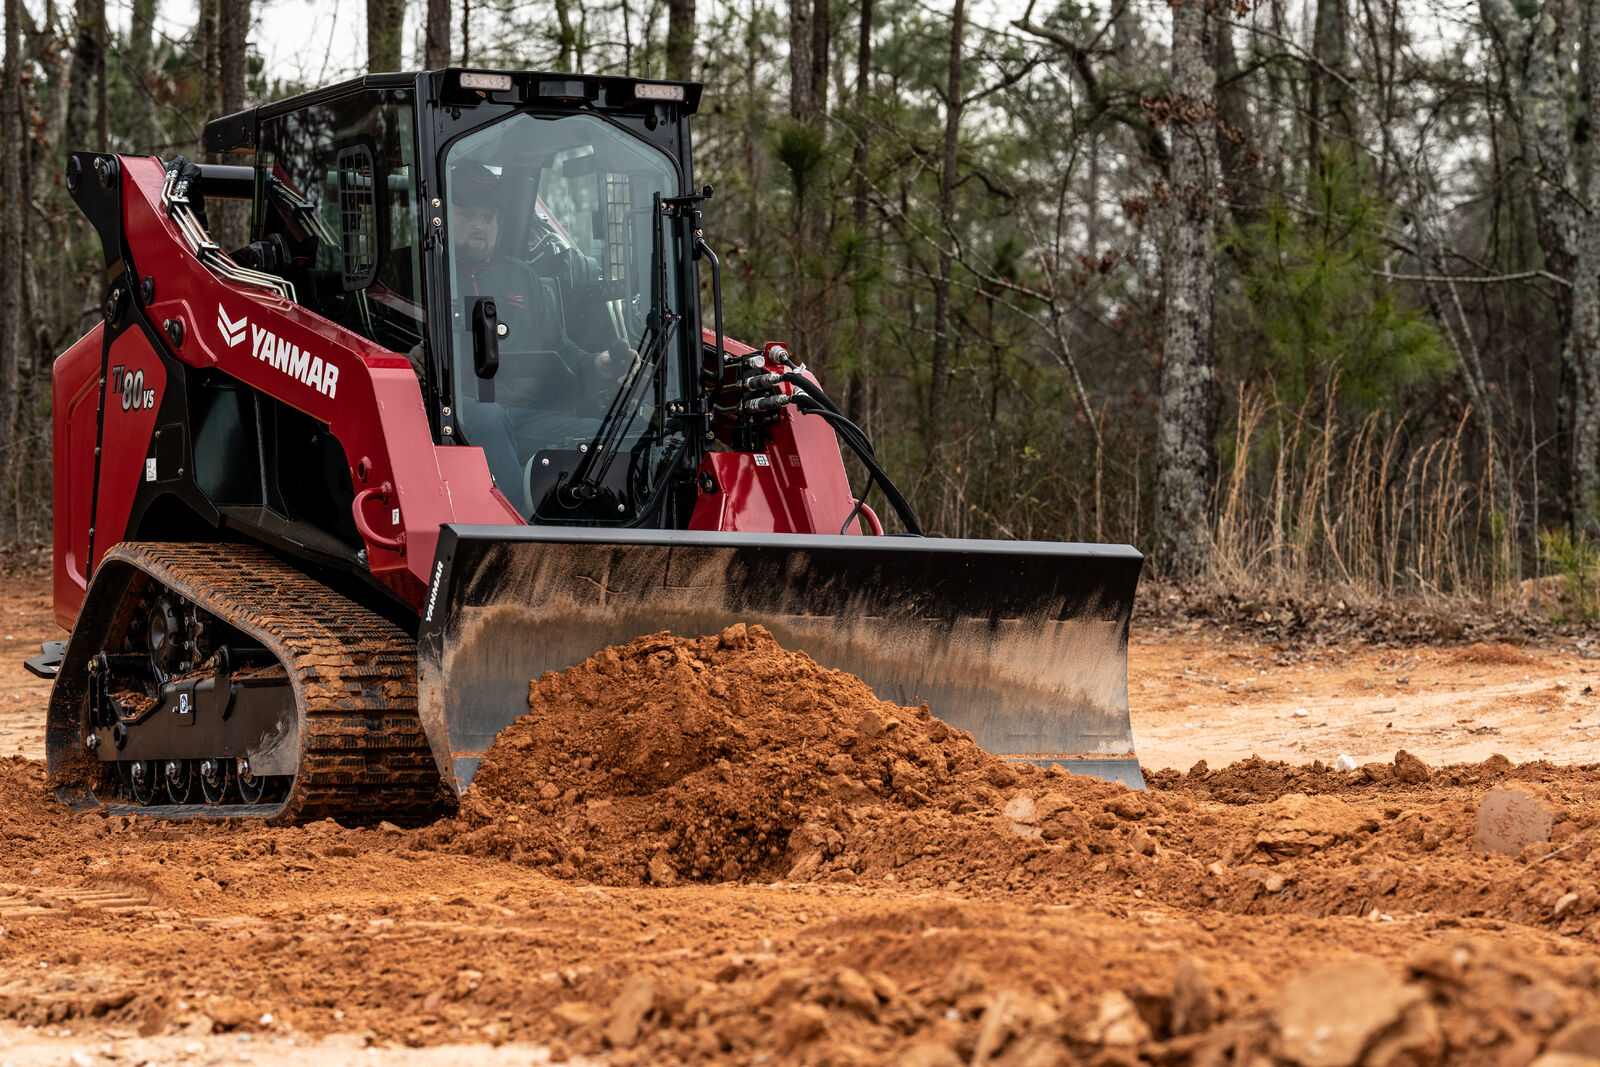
{"x":517,"y":422}
{"x":527,"y":304}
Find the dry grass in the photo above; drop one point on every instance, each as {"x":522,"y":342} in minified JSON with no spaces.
{"x":1378,"y":511}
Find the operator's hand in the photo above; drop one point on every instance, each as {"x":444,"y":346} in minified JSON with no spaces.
{"x":606,"y":365}
{"x":415,"y":357}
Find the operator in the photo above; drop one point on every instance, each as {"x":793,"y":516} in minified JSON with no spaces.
{"x":516,"y":425}
{"x":528,"y":305}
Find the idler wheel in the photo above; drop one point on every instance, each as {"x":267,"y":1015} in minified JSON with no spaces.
{"x":181,"y":781}
{"x":144,"y":780}
{"x":216,"y":780}
{"x":252,"y":787}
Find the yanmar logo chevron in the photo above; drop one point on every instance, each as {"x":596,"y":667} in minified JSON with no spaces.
{"x":282,"y":354}
{"x":232,"y":332}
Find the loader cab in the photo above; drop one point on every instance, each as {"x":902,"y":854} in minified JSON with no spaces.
{"x":521,"y":238}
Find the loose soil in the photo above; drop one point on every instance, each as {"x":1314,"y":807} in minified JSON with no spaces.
{"x":711,"y":849}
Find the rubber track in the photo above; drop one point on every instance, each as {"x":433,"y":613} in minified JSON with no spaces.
{"x":363,"y":754}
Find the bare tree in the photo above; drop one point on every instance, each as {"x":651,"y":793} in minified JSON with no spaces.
{"x":1538,"y":51}
{"x":939,"y":384}
{"x":802,"y":98}
{"x":821,"y":31}
{"x":436,"y":34}
{"x":858,"y":155}
{"x":1238,"y":129}
{"x":804,"y":153}
{"x":1183,"y":432}
{"x":86,"y":75}
{"x":13,"y":237}
{"x":102,"y":104}
{"x":567,"y":38}
{"x":680,"y":39}
{"x":208,"y":51}
{"x":1327,"y":112}
{"x":384,"y":21}
{"x":146,"y":132}
{"x":233,"y":28}
{"x":232,"y":218}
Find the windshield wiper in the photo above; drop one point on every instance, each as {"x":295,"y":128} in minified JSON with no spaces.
{"x":659,"y":325}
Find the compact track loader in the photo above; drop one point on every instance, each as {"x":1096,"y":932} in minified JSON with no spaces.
{"x":450,"y":418}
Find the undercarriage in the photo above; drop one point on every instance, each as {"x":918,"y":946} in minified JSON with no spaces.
{"x":215,"y":680}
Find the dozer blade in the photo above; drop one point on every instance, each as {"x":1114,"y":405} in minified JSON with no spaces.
{"x":1025,"y":644}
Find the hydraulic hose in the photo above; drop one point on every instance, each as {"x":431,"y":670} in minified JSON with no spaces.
{"x":852,"y":435}
{"x":810,"y":398}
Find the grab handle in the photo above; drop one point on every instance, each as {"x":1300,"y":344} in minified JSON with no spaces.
{"x":397,"y":543}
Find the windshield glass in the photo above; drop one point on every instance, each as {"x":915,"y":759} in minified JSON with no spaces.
{"x":552,"y":218}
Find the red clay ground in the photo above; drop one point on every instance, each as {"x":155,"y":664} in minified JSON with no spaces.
{"x":787,"y":870}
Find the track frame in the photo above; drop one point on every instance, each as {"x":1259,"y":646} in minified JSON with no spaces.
{"x":358,"y":748}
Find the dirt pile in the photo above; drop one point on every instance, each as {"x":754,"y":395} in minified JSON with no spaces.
{"x":726,"y":758}
{"x":1479,"y":654}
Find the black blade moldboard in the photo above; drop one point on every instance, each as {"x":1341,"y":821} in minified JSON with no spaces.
{"x":1022,"y":643}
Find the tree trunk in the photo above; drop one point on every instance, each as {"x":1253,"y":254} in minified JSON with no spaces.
{"x":627,"y":37}
{"x":821,"y":27}
{"x":1584,"y":341}
{"x":87,"y":62}
{"x":568,"y":37}
{"x":939,"y":384}
{"x":466,"y":33}
{"x":754,"y":126}
{"x":808,"y":298}
{"x":43,"y":47}
{"x":859,"y":159}
{"x":802,"y":100}
{"x":580,"y":39}
{"x":680,"y":40}
{"x":230,"y":219}
{"x":1091,"y":224}
{"x":384,"y":21}
{"x":13,"y":239}
{"x":102,"y":106}
{"x":146,"y":132}
{"x":1537,"y":51}
{"x":1239,"y":183}
{"x":436,"y":33}
{"x":1327,"y":116}
{"x":1183,"y":429}
{"x":856,"y":388}
{"x":209,"y":54}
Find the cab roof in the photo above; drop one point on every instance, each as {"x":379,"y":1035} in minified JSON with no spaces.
{"x":576,"y":92}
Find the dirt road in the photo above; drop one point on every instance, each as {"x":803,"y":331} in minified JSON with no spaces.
{"x":937,"y":911}
{"x":1218,"y":699}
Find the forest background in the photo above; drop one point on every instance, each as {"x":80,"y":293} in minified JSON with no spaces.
{"x":1300,"y":296}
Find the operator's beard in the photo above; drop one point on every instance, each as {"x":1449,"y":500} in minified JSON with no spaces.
{"x":475,"y":251}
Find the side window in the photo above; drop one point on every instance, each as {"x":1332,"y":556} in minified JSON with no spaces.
{"x":338,"y":199}
{"x":359,"y":237}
